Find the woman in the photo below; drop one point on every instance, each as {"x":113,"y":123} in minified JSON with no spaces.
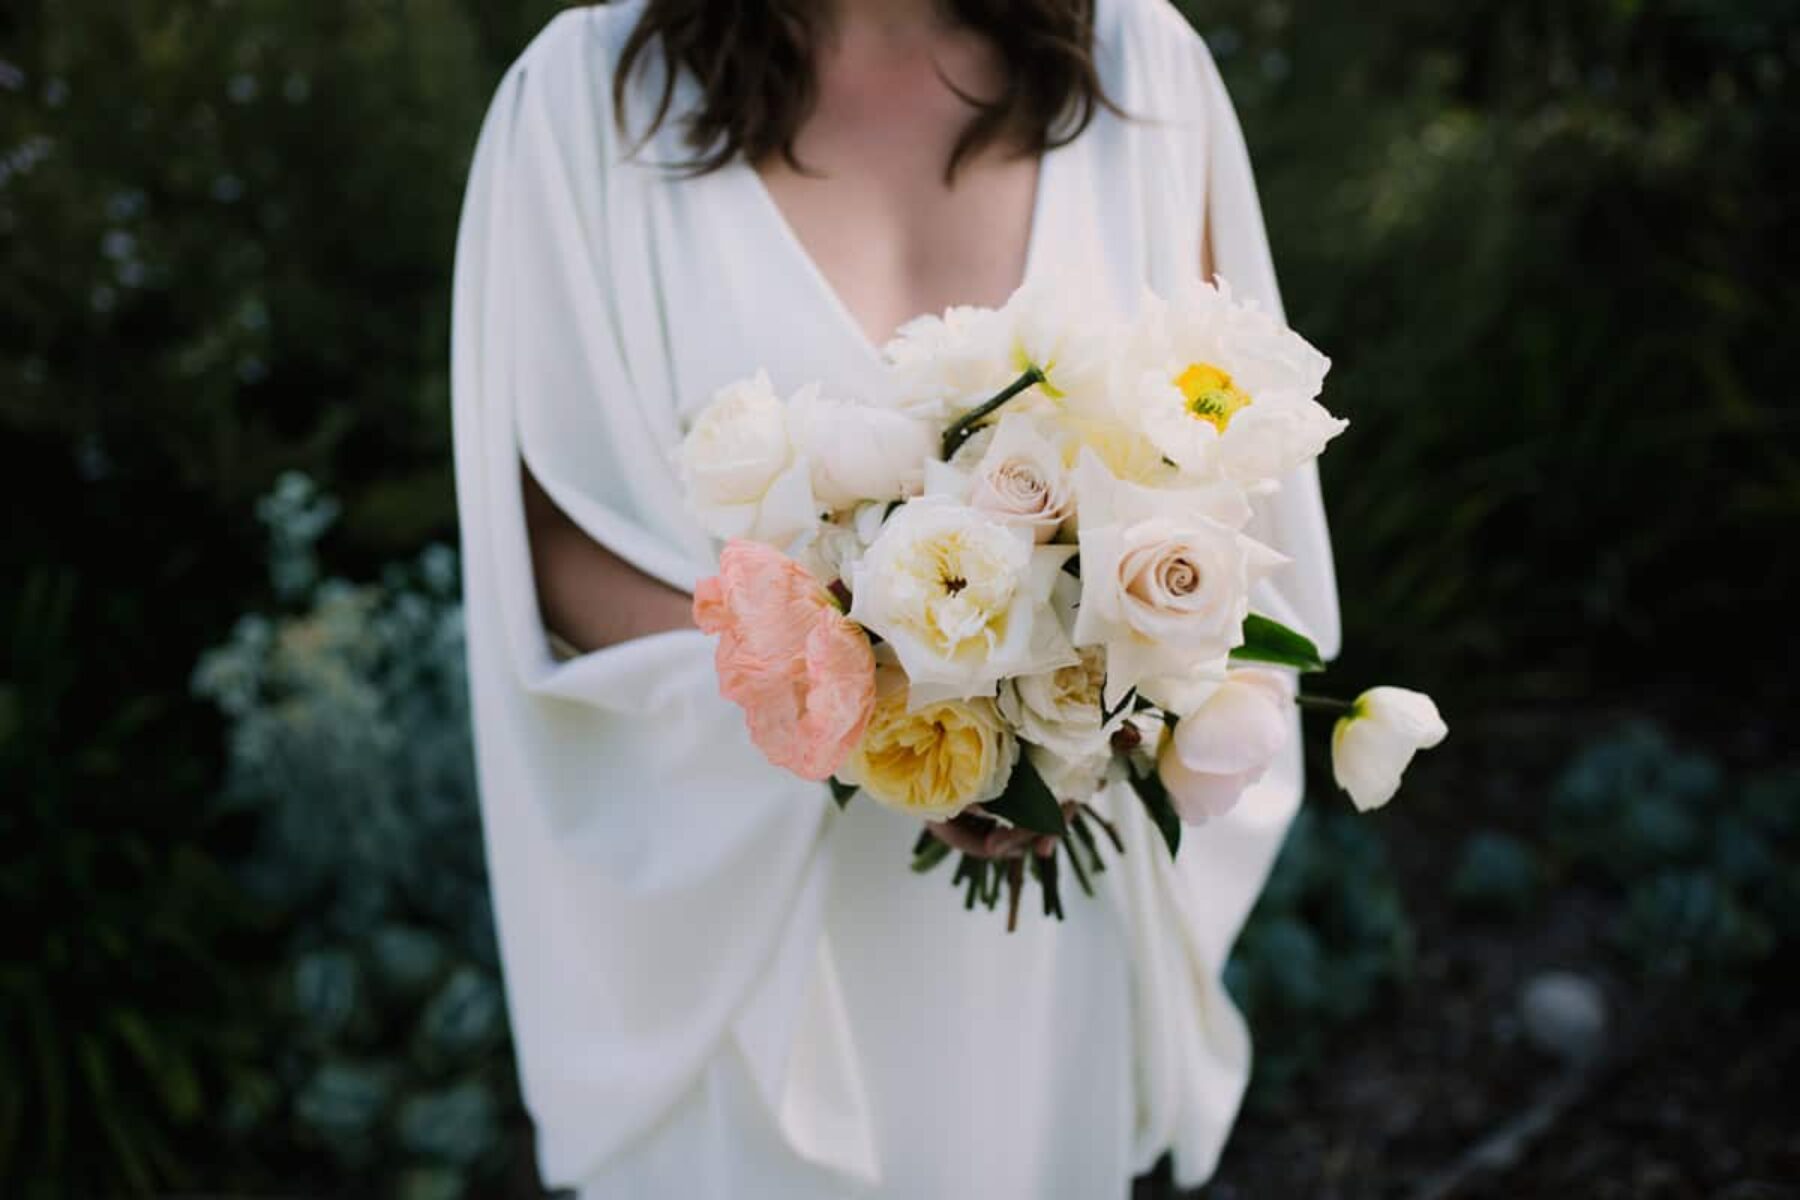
{"x":720,"y":985}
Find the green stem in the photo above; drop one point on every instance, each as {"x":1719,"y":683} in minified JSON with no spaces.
{"x":964,"y":428}
{"x":1324,"y":703}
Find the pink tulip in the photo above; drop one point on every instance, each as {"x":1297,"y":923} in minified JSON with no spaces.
{"x":1226,"y":744}
{"x":803,"y":672}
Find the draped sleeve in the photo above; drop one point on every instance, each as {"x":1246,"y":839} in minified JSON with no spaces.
{"x":1193,"y":1056}
{"x":658,"y":887}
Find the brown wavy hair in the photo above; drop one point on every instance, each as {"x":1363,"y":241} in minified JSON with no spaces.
{"x":753,"y":60}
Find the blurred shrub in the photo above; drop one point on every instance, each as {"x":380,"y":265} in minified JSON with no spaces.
{"x":349,"y":742}
{"x":1705,"y":864}
{"x":1497,"y":874}
{"x":1328,"y":938}
{"x":1551,"y":250}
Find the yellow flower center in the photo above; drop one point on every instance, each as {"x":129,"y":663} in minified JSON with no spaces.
{"x":1210,"y":395}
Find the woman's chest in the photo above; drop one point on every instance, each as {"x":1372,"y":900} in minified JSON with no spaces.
{"x":739,"y":287}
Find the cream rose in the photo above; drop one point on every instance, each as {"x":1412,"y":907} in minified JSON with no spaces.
{"x":1021,"y":478}
{"x":931,"y":761}
{"x":744,"y":477}
{"x":1165,"y":576}
{"x":963,"y":599}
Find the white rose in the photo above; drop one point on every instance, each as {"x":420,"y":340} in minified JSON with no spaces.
{"x":1165,"y":576}
{"x":1021,"y":478}
{"x":963,"y":599}
{"x":1374,"y":742}
{"x":1060,"y":710}
{"x":1227,"y":743}
{"x":743,"y":475}
{"x":1014,"y":471}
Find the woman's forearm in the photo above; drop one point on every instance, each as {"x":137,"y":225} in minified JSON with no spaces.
{"x":587,"y":595}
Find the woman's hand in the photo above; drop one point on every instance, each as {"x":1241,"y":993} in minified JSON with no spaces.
{"x":977,"y":834}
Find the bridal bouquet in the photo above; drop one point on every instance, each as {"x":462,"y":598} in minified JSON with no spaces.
{"x":1022,"y":572}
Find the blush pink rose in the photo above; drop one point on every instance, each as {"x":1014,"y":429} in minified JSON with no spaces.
{"x":1226,"y":744}
{"x":803,"y":672}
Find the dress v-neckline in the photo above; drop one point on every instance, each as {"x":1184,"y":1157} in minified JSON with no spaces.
{"x":828,"y":293}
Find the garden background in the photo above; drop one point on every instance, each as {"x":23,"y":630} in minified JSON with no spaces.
{"x":1550,"y":247}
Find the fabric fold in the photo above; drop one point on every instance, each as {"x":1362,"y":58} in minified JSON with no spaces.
{"x":640,"y":933}
{"x":1183,"y":916}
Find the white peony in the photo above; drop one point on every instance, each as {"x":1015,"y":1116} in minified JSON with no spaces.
{"x":860,"y":452}
{"x":944,"y":365}
{"x":1165,"y":576}
{"x":1225,"y":390}
{"x":1050,"y":324}
{"x":963,"y":599}
{"x":744,"y":477}
{"x":1374,"y":742}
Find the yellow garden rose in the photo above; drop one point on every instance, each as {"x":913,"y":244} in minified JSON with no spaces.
{"x":935,"y":761}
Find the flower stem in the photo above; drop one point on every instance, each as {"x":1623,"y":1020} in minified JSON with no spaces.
{"x":1324,"y":703}
{"x":964,"y":428}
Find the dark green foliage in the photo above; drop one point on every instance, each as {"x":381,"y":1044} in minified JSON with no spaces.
{"x":224,"y":250}
{"x":1551,"y":252}
{"x":119,"y":999}
{"x":1497,"y":874}
{"x":1328,"y":938}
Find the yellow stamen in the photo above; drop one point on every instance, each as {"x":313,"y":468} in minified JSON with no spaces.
{"x":1210,"y":394}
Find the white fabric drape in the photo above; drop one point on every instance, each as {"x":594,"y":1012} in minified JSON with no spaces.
{"x":671,"y":909}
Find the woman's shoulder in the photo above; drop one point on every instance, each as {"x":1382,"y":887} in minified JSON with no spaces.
{"x":565,"y":74}
{"x":1146,"y":51}
{"x":589,"y":37}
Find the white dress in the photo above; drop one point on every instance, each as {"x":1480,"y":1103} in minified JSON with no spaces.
{"x":719,"y":985}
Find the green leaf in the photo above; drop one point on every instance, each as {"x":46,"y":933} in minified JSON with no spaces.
{"x":1028,"y":801}
{"x":1267,"y":641}
{"x":840,"y":791}
{"x":1156,"y":801}
{"x":927,"y":857}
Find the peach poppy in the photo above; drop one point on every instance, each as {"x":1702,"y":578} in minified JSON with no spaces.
{"x":802,"y":671}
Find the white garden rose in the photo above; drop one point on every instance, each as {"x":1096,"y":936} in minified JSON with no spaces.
{"x":1165,"y":576}
{"x":931,"y":760}
{"x":860,"y":452}
{"x":963,"y":598}
{"x":840,"y":541}
{"x":1225,"y":390}
{"x":1060,"y":709}
{"x":1372,"y":744}
{"x":743,"y":475}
